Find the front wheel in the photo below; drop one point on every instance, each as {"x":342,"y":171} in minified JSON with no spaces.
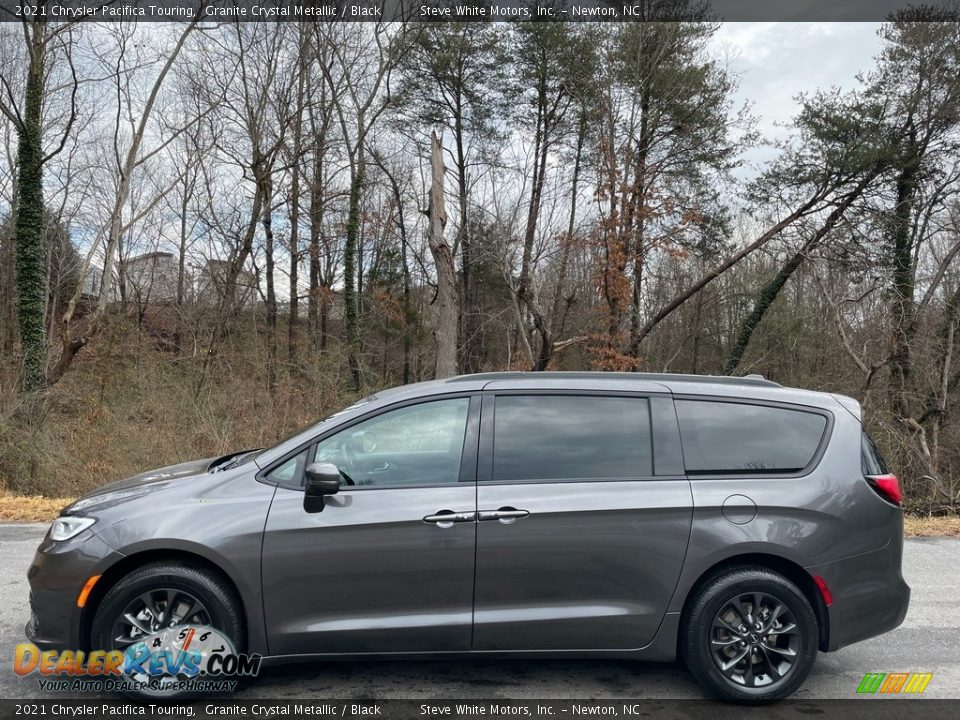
{"x":163,"y":607}
{"x":750,"y":636}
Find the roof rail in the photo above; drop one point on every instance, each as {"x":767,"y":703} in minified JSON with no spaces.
{"x":753,"y":379}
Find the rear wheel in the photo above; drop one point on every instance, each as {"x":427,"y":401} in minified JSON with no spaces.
{"x":159,"y":599}
{"x":750,"y":636}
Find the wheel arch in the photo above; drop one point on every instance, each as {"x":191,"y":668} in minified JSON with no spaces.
{"x":128,"y":563}
{"x":789,"y":569}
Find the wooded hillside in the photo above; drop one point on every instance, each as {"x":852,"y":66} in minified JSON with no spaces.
{"x":214,"y":234}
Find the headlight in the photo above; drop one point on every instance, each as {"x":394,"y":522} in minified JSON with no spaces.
{"x":69,"y":526}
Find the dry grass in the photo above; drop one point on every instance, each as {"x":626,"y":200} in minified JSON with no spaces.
{"x":30,"y":508}
{"x":126,"y":407}
{"x":932,"y":526}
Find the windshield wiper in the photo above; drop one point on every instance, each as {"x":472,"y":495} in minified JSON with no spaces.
{"x":235,"y":460}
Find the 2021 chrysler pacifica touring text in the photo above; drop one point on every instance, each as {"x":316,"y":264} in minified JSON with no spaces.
{"x":730,"y":522}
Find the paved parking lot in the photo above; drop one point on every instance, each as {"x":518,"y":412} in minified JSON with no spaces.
{"x":928,"y":641}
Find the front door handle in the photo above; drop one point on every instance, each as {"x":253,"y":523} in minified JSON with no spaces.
{"x":505,"y":515}
{"x":446,"y":518}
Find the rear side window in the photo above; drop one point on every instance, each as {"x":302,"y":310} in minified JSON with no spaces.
{"x":872,"y":462}
{"x":571,"y":437}
{"x":726,"y":437}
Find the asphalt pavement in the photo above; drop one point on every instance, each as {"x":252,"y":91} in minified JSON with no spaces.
{"x":928,"y":641}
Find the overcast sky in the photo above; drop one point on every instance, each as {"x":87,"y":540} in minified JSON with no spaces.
{"x":777,"y":61}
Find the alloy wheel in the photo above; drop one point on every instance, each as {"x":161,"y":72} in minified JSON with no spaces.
{"x":755,"y":640}
{"x":157,"y":610}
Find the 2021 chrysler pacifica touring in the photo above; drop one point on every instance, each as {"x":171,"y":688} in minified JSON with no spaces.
{"x":730,"y":522}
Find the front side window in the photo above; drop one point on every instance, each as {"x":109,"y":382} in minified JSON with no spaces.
{"x":571,"y":437}
{"x":414,"y":445}
{"x":729,"y":437}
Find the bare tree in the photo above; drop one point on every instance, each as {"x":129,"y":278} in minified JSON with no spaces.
{"x":362,"y":59}
{"x":129,"y":156}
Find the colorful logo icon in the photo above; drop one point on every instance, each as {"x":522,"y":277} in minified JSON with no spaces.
{"x":894,"y":683}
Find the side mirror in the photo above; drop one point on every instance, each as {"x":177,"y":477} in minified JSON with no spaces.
{"x":322,"y":479}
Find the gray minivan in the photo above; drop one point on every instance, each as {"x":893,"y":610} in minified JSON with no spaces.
{"x":731,"y":522}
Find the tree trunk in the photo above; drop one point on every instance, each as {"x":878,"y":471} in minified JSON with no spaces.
{"x":316,"y":223}
{"x":293,"y":329}
{"x":526,"y":295}
{"x":29,"y":218}
{"x":271,"y":298}
{"x":638,"y":220}
{"x":470,"y":359}
{"x":765,"y":299}
{"x":409,"y":317}
{"x":182,"y":270}
{"x":294,"y":319}
{"x":446,"y":275}
{"x":559,"y":299}
{"x":7,"y":294}
{"x":902,"y":310}
{"x":350,"y":311}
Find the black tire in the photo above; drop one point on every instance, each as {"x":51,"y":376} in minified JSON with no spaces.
{"x":711,"y":641}
{"x":222,"y":609}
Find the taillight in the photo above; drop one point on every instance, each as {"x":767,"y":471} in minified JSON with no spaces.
{"x":887,"y":487}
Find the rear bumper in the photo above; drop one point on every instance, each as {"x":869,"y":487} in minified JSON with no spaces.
{"x":870,"y":596}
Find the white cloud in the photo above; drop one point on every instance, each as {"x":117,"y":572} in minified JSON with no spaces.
{"x":776,"y":62}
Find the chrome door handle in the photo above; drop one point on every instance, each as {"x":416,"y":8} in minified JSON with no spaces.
{"x":446,"y":518}
{"x":506,"y":515}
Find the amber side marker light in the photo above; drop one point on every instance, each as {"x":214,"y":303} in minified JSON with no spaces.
{"x":85,"y":593}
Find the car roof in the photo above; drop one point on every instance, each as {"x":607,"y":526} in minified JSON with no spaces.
{"x":574,"y":377}
{"x":754,"y":387}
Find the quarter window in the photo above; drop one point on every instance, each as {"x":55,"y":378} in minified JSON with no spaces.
{"x":290,"y":471}
{"x":870,"y":457}
{"x":571,"y":437}
{"x":726,"y":437}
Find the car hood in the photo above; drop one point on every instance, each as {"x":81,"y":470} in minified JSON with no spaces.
{"x":137,"y":485}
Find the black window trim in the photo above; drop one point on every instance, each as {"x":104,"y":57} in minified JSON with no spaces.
{"x":468,"y":457}
{"x":485,"y":464}
{"x":766,"y":473}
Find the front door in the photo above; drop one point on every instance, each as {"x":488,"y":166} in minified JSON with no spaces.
{"x":579,"y":542}
{"x":387,"y":565}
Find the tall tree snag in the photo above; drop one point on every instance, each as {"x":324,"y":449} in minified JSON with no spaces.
{"x":443,"y":259}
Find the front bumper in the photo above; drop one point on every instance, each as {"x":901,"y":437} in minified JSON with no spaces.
{"x":870,"y":596}
{"x":56,"y":576}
